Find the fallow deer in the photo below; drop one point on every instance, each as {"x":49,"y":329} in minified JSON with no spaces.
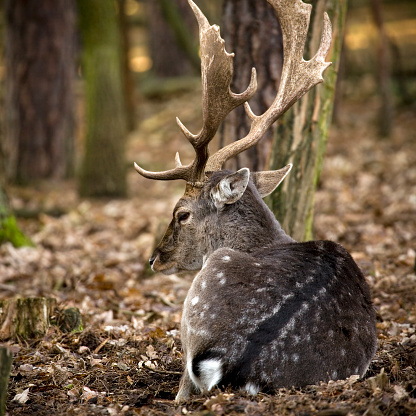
{"x":264,"y":311}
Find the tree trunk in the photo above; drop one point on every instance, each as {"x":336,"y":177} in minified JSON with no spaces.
{"x":103,"y":170}
{"x":302,"y":132}
{"x":128,"y":87}
{"x":172,"y":25}
{"x":252,"y":32}
{"x":39,"y":107}
{"x":385,"y":120}
{"x":9,"y":231}
{"x":26,"y":318}
{"x":6,"y":359}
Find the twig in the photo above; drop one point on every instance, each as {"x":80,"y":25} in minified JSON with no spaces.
{"x":100,"y":346}
{"x":176,"y":373}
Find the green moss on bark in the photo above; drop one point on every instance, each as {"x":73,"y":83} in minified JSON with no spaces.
{"x":303,"y":132}
{"x":103,"y":170}
{"x":10,"y":232}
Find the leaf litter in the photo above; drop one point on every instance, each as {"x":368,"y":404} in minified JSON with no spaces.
{"x":126,"y":360}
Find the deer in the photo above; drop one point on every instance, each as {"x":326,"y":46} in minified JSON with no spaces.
{"x":264,"y":311}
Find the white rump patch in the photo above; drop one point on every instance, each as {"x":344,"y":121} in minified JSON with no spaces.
{"x":195,"y":300}
{"x":210,"y":373}
{"x":251,"y":388}
{"x":226,"y":258}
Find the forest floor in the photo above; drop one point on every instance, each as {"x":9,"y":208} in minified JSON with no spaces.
{"x":92,"y":255}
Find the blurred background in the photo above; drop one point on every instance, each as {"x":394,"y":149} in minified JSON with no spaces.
{"x":78,"y":78}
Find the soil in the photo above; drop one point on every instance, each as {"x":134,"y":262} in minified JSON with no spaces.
{"x":126,"y":360}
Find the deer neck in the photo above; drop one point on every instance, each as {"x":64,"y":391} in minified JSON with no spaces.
{"x":254,"y":228}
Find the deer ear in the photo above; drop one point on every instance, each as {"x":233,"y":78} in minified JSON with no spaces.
{"x":230,"y":188}
{"x":266,"y":182}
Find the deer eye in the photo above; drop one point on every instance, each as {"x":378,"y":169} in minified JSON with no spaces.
{"x":183,"y":216}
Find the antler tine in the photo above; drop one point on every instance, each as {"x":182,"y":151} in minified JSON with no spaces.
{"x":217,"y":100}
{"x":298,"y":75}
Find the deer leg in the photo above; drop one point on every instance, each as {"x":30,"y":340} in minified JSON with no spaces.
{"x":186,"y":387}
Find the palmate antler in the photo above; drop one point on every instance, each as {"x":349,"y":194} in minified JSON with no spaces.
{"x":298,"y":77}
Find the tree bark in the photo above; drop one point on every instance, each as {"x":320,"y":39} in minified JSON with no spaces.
{"x":252,"y":32}
{"x":39,"y":107}
{"x":6,"y":359}
{"x":385,"y":120}
{"x":103,"y":170}
{"x":25,"y":317}
{"x":128,"y":86}
{"x":303,"y":131}
{"x":172,"y":25}
{"x":9,"y":231}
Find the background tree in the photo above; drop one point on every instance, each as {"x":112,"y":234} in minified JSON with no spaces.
{"x":39,"y":116}
{"x":9,"y":231}
{"x":172,"y":28}
{"x":103,"y":170}
{"x":252,"y":32}
{"x":128,"y":80}
{"x":385,"y":120}
{"x":303,"y":131}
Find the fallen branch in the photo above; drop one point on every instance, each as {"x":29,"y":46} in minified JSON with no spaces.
{"x":176,"y":373}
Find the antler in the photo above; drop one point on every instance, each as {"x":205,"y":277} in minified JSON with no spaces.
{"x":298,"y":77}
{"x":218,"y":100}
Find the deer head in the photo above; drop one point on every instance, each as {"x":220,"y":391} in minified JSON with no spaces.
{"x":220,"y":208}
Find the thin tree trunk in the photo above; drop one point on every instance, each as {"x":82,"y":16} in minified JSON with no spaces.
{"x":40,"y":70}
{"x":103,"y":170}
{"x":9,"y":231}
{"x":303,"y":131}
{"x":385,"y":120}
{"x":252,"y":32}
{"x":6,"y":359}
{"x":129,"y":87}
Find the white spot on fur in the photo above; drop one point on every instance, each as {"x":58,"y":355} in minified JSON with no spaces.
{"x":322,"y":291}
{"x":220,"y":274}
{"x":257,"y":264}
{"x":334,"y":375}
{"x":276,"y":308}
{"x":195,"y":300}
{"x":210,"y":373}
{"x":295,"y":358}
{"x":222,"y":281}
{"x":286,"y":297}
{"x":203,"y":284}
{"x":226,"y":258}
{"x":251,"y":388}
{"x":343,"y":352}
